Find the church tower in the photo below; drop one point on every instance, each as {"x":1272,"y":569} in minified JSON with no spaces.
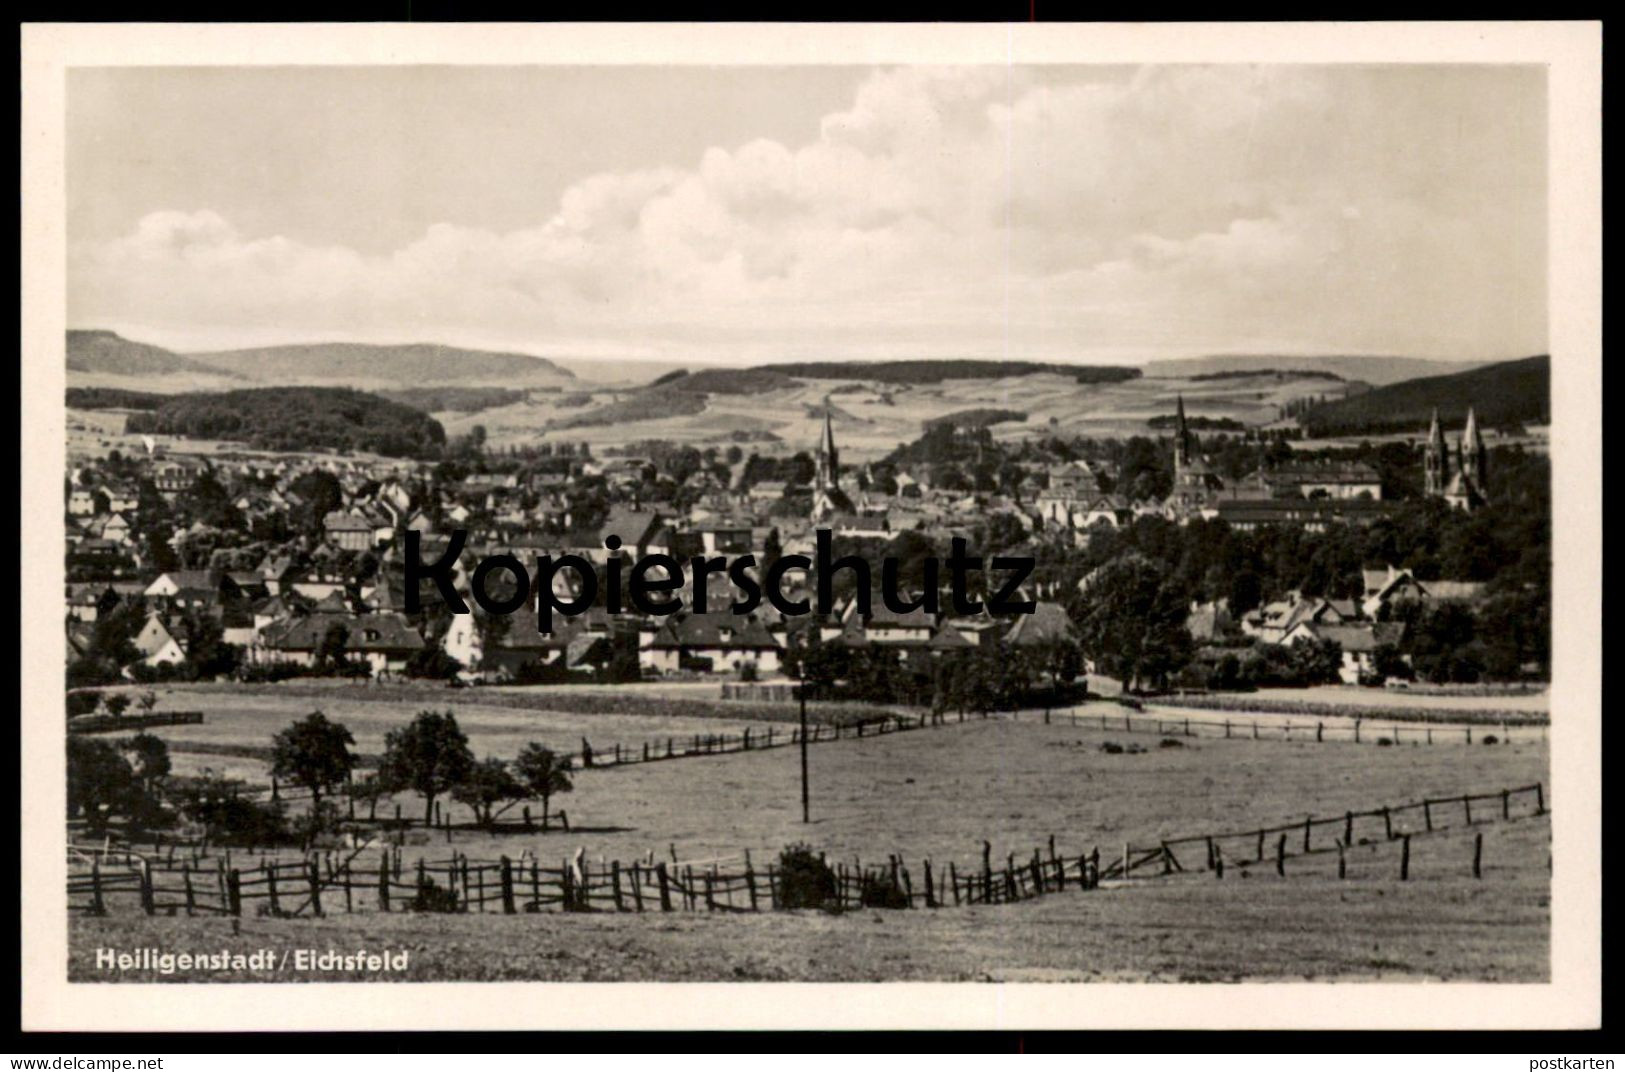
{"x":1472,"y":454}
{"x":827,"y":474}
{"x":1435,"y":460}
{"x":1182,"y":438}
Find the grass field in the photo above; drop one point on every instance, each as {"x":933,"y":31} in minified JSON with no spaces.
{"x":938,"y":793}
{"x":1253,"y":925}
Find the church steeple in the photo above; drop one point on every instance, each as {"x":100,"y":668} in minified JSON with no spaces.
{"x":1435,"y":459}
{"x":827,"y":476}
{"x":1472,"y":452}
{"x":1182,"y":435}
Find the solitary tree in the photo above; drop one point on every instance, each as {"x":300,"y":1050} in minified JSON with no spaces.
{"x":543,"y":773}
{"x":148,"y":700}
{"x":430,"y":755}
{"x":149,"y":760}
{"x":100,"y":781}
{"x":487,"y":784}
{"x":116,"y":703}
{"x":314,"y":753}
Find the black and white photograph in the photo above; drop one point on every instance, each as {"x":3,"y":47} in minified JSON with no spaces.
{"x":1083,"y":519}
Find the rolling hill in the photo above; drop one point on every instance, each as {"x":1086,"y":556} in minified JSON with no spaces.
{"x":107,"y":353}
{"x":1504,"y":393}
{"x":1373,"y":369}
{"x":385,"y":365}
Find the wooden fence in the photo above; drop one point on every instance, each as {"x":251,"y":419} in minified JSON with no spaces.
{"x":1359,"y":731}
{"x":132,"y":723}
{"x":369,"y":879}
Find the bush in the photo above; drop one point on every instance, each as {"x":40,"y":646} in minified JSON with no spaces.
{"x":1112,"y":748}
{"x":82,"y":703}
{"x":1170,"y":742}
{"x":805,"y":880}
{"x":433,"y":897}
{"x":1490,"y":738}
{"x":880,"y":890}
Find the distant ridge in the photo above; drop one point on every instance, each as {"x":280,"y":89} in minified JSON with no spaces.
{"x":384,"y":364}
{"x":109,"y":353}
{"x":1373,"y":369}
{"x":937,"y":370}
{"x":1504,"y":393}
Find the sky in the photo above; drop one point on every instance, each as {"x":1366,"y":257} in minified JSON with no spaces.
{"x":753,"y":214}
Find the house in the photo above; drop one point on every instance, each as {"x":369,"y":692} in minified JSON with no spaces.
{"x":860,"y":526}
{"x":157,"y":643}
{"x":1274,"y":622}
{"x":349,"y":531}
{"x":639,"y":531}
{"x":172,"y":477}
{"x":711,"y":643}
{"x":1359,"y":642}
{"x":1208,"y":622}
{"x":81,"y":503}
{"x":1392,"y":587}
{"x":115,"y":529}
{"x":1047,"y":624}
{"x":172,"y":583}
{"x":384,"y":642}
{"x":886,"y":626}
{"x":89,"y":602}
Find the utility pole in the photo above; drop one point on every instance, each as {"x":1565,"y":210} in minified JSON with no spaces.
{"x":801,"y":691}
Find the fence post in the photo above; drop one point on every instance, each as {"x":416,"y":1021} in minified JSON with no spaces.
{"x":1094,"y":867}
{"x":750,"y":884}
{"x":1227,"y":729}
{"x":1427,"y":814}
{"x":1218,"y":863}
{"x":665,"y":886}
{"x":710,"y":894}
{"x":1348,"y":827}
{"x":1405,"y":860}
{"x":1280,"y":856}
{"x":1478,"y":855}
{"x":536,"y":883}
{"x":186,"y":879}
{"x":508,"y":907}
{"x":1320,"y":732}
{"x":930,"y":894}
{"x":1387,"y":823}
{"x":1261,"y":846}
{"x":615,"y":884}
{"x":987,"y":871}
{"x":383,"y":882}
{"x":567,"y":886}
{"x":97,"y":906}
{"x":1308,"y":825}
{"x":1342,"y":863}
{"x":1356,"y":731}
{"x":147,"y":904}
{"x":1467,"y":806}
{"x":637,"y":887}
{"x":314,"y":873}
{"x":270,"y":876}
{"x":234,"y":892}
{"x":953,"y":880}
{"x":1540,"y":800}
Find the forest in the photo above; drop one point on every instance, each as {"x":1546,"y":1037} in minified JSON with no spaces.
{"x":298,"y":419}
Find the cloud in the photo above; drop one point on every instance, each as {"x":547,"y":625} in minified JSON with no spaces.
{"x":959,"y":211}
